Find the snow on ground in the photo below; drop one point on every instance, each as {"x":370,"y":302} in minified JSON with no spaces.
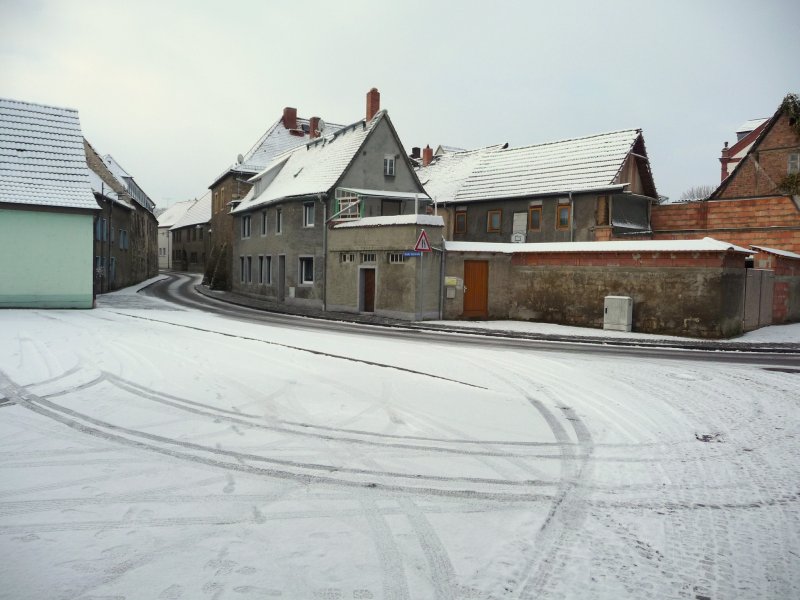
{"x":149,"y":451}
{"x":789,"y":333}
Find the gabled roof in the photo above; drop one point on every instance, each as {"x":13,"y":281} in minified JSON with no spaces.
{"x":174,"y":213}
{"x":766,"y":128}
{"x":276,"y":140}
{"x":196,"y":214}
{"x":311,"y":169}
{"x":442,"y":149}
{"x":750,"y":125}
{"x":42,"y":159}
{"x":777,"y":252}
{"x":126,"y":179}
{"x":444,"y":177}
{"x":573,"y":165}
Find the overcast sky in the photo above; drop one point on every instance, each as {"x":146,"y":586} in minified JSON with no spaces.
{"x":175,"y":90}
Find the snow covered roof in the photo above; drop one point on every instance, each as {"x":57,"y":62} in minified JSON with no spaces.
{"x":444,"y":177}
{"x":705,"y":245}
{"x":311,"y":169}
{"x":385,"y":193}
{"x":442,"y":149}
{"x":126,"y":179}
{"x":197,"y":214}
{"x":432,"y":220}
{"x":101,"y":187}
{"x":275,"y":141}
{"x":573,"y":165}
{"x":777,"y":252}
{"x":751,"y":125}
{"x":174,"y":213}
{"x":42,"y":158}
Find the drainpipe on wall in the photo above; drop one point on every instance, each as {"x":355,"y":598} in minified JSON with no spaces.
{"x":571,"y":218}
{"x":321,"y":198}
{"x":441,"y":280}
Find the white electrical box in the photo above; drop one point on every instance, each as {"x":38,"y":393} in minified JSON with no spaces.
{"x":618,"y":313}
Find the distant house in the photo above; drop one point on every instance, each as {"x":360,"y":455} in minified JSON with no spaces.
{"x":47,"y":208}
{"x":759,"y":202}
{"x":166,"y":220}
{"x":191,"y":236}
{"x":232,"y":185}
{"x":592,"y":188}
{"x":361,"y":170}
{"x":125,"y":236}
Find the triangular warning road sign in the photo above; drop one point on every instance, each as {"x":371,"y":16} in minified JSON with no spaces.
{"x":422,"y":245}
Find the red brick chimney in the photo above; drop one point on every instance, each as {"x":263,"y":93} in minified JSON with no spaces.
{"x":313,"y":127}
{"x":373,"y":103}
{"x":290,"y":117}
{"x":724,"y":159}
{"x":427,"y":155}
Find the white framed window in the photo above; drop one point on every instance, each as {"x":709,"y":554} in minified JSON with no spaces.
{"x":308,"y":214}
{"x":241,"y":269}
{"x":347,"y":257}
{"x":368,"y":257}
{"x":306,"y":270}
{"x":264,"y":223}
{"x":278,"y":220}
{"x":347,"y":205}
{"x":261,"y":269}
{"x":396,"y":258}
{"x":245,"y":226}
{"x":268,"y":270}
{"x":388,"y":165}
{"x":794,"y":164}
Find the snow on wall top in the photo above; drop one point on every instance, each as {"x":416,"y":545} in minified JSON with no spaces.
{"x":311,"y":169}
{"x":275,"y":141}
{"x":777,"y":252}
{"x":42,"y":158}
{"x":174,"y":213}
{"x":197,"y":214}
{"x":587,"y":163}
{"x":445,"y":176}
{"x":705,"y":245}
{"x":432,"y":220}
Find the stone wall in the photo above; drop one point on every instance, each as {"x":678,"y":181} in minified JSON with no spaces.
{"x":697,"y":294}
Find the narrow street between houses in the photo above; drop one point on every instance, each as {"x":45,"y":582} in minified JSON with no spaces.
{"x":166,"y":445}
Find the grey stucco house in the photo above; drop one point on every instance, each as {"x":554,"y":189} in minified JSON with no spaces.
{"x":280,"y":245}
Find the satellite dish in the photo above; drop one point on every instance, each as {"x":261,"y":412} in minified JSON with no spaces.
{"x":321,"y":126}
{"x":239,"y":159}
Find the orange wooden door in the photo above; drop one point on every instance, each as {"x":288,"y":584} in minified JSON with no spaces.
{"x":476,"y":289}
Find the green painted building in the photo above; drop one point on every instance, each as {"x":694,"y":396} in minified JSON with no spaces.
{"x":47,"y":209}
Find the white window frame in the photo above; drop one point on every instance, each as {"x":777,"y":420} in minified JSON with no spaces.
{"x":301,"y":280}
{"x":395,"y":258}
{"x":389,"y":165}
{"x":308,"y":214}
{"x":369,"y":257}
{"x":347,"y":257}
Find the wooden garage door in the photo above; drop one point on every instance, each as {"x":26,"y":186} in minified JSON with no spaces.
{"x":476,"y":289}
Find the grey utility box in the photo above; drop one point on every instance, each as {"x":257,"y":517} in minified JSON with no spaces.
{"x":618,"y":313}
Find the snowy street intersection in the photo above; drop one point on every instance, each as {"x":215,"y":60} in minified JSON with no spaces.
{"x":150,"y":451}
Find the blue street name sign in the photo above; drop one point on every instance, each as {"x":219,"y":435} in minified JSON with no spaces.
{"x":412,"y":253}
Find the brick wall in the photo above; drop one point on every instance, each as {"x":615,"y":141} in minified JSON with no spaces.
{"x":786,"y":292}
{"x":771,"y":221}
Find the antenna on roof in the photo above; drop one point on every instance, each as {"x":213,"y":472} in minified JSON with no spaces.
{"x":239,"y":159}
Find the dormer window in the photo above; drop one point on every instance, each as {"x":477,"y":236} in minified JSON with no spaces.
{"x":388,"y":165}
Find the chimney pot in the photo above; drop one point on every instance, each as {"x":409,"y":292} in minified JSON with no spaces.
{"x":313,"y":127}
{"x":290,"y":117}
{"x":373,"y":103}
{"x":427,"y":156}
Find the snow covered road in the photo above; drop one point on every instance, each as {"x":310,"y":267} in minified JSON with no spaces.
{"x":151,"y":451}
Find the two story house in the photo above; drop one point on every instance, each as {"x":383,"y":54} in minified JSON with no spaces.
{"x":360,"y":170}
